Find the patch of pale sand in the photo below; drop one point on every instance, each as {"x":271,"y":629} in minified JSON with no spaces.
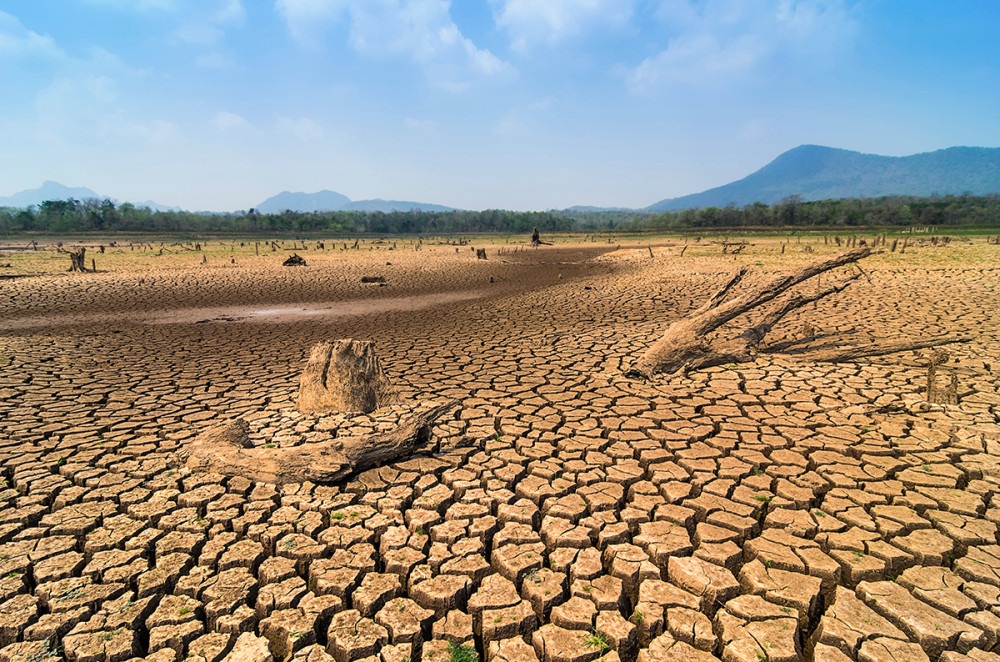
{"x":252,"y":314}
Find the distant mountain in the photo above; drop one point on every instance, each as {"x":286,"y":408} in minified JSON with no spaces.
{"x":333,"y":201}
{"x":50,"y":190}
{"x":387,"y":206}
{"x":155,"y":206}
{"x":818,"y":173}
{"x":47,"y":191}
{"x":585,"y":209}
{"x":304,"y":202}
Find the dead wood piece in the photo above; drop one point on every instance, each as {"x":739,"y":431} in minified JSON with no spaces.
{"x":294,"y":260}
{"x":344,"y":375}
{"x":685,"y":345}
{"x":373,"y":279}
{"x":882,"y":349}
{"x":226,"y":450}
{"x":77,"y":259}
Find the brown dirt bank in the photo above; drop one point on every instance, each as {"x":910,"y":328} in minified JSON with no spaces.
{"x":261,"y":282}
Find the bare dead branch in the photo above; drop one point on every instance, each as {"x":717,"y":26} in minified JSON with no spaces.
{"x":882,"y":349}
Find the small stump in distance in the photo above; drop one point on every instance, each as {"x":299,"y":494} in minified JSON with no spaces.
{"x":344,"y":375}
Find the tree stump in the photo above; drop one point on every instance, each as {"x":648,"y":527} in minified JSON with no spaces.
{"x":536,"y":239}
{"x":77,"y":259}
{"x":344,"y":375}
{"x":947,"y":395}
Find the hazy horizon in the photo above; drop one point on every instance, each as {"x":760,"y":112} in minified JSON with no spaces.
{"x":219,"y":104}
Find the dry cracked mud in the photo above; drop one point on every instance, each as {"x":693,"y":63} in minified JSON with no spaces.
{"x":771,"y":511}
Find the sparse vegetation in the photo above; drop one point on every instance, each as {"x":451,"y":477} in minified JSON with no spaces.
{"x":598,"y":640}
{"x":461,"y":653}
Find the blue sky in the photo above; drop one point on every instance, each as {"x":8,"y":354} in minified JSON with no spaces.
{"x":517,"y":104}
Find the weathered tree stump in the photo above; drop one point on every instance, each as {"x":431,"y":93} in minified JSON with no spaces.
{"x":226,"y":449}
{"x":947,"y":395}
{"x":344,"y":375}
{"x":294,"y":261}
{"x":536,"y":239}
{"x":77,"y":259}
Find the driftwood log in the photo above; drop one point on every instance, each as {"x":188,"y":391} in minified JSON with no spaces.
{"x":686,"y":344}
{"x":227,"y":450}
{"x":344,"y":375}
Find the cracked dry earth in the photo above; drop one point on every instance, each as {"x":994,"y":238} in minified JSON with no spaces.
{"x":781,"y":510}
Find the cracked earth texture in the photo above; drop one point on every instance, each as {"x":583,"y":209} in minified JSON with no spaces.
{"x":778,"y":510}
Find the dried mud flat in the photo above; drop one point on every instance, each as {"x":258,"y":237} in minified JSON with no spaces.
{"x":777,"y":510}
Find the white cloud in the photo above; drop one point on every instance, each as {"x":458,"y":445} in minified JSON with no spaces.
{"x":199,"y":23}
{"x":530,"y":22}
{"x":205,"y":23}
{"x":718,"y":41}
{"x":216,"y":60}
{"x":519,"y":120}
{"x":87,"y":107}
{"x":419,"y":125}
{"x":85,"y":100}
{"x":226,"y":121}
{"x":421,"y":30}
{"x":302,"y":128}
{"x":152,"y":131}
{"x":307,"y":19}
{"x":18,"y":41}
{"x":231,"y":12}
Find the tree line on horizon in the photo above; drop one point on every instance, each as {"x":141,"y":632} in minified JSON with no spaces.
{"x":95,"y":215}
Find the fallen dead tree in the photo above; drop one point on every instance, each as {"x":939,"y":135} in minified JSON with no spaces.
{"x":227,"y":450}
{"x":686,"y":344}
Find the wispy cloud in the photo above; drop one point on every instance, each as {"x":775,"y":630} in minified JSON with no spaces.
{"x":520,"y":119}
{"x":301,"y":128}
{"x":420,"y":30}
{"x":530,"y":22}
{"x":715,"y":42}
{"x":200,"y":24}
{"x":16,"y":41}
{"x":227,"y":121}
{"x":87,"y":107}
{"x":419,"y":125}
{"x":216,"y":60}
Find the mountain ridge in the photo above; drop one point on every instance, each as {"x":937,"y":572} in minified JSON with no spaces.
{"x":327,"y":200}
{"x":50,"y":190}
{"x":816,"y":172}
